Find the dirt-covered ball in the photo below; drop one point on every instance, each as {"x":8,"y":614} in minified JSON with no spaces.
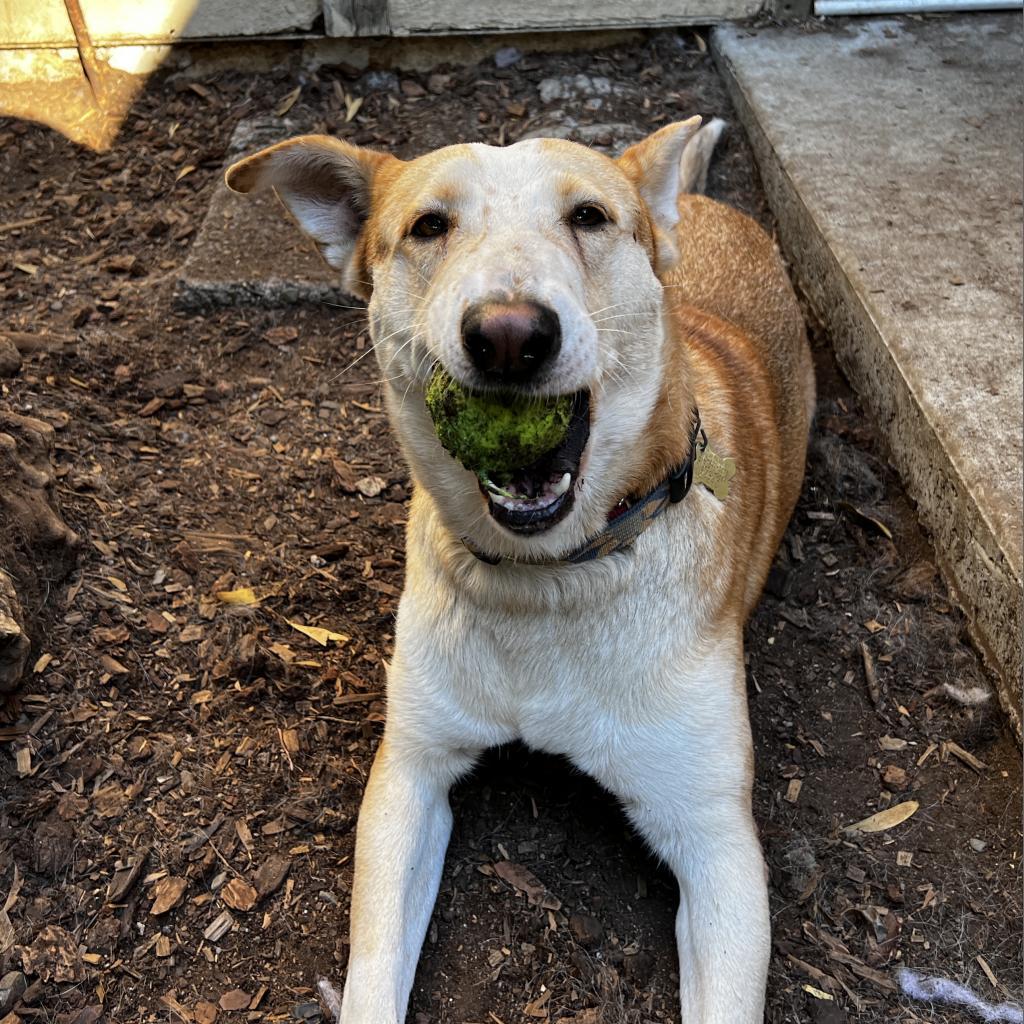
{"x":492,"y":436}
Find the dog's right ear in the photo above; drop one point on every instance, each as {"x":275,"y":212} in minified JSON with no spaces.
{"x":327,"y":186}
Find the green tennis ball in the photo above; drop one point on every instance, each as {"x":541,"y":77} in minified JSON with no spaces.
{"x":494,"y":438}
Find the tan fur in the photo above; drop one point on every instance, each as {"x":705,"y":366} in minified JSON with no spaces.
{"x":737,"y":343}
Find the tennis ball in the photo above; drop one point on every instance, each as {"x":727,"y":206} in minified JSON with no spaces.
{"x":494,"y":438}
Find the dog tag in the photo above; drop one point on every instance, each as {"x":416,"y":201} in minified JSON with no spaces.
{"x":714,"y":472}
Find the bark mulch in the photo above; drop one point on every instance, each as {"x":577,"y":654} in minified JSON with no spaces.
{"x":182,"y":771}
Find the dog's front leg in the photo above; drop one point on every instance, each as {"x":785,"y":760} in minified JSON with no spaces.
{"x":722,"y":925}
{"x":686,"y":785}
{"x":403,"y":831}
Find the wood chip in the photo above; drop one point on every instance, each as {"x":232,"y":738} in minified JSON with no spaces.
{"x":239,"y":895}
{"x":205,"y":1013}
{"x":963,"y":755}
{"x":219,"y":927}
{"x":526,"y":882}
{"x":993,"y":980}
{"x":172,"y":1004}
{"x":236,"y":999}
{"x":167,"y":894}
{"x":793,"y":790}
{"x":271,"y":874}
{"x":126,"y":875}
{"x":870,"y":675}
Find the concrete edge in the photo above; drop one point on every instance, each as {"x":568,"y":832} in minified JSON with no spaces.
{"x":201,"y":296}
{"x":969,"y":556}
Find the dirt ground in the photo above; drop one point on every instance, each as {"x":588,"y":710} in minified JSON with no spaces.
{"x":176,"y":833}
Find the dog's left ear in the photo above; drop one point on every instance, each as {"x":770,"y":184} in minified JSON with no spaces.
{"x":328,"y":187}
{"x":653,"y":167}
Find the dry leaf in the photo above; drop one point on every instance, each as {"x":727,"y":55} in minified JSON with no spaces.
{"x":318,"y":633}
{"x":239,"y":895}
{"x":167,"y":894}
{"x":884,"y":820}
{"x":244,"y":596}
{"x":185,"y":171}
{"x":352,"y":105}
{"x":288,"y":102}
{"x":864,"y":520}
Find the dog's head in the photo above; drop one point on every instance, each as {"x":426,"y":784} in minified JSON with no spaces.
{"x":533,"y":269}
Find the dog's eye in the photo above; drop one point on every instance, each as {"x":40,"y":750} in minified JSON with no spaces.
{"x":587,"y":216}
{"x":430,"y":225}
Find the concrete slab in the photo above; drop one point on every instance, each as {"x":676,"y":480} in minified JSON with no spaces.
{"x":892,"y":152}
{"x":247,"y":250}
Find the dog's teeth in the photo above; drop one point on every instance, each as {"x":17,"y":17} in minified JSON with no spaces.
{"x":562,"y":486}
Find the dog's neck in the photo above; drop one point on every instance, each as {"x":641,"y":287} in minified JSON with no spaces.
{"x":666,"y":436}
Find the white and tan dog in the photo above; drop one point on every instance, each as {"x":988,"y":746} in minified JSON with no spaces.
{"x":549,"y":269}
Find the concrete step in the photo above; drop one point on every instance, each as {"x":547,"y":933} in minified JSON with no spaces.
{"x":245,"y":251}
{"x":891,"y":151}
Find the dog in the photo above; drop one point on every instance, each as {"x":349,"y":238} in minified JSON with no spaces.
{"x":595,"y":606}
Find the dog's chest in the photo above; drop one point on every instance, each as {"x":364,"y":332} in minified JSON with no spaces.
{"x":565,"y":680}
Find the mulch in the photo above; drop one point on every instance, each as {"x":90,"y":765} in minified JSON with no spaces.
{"x":183,"y":768}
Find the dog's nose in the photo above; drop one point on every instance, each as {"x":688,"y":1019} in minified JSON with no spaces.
{"x":510,"y":341}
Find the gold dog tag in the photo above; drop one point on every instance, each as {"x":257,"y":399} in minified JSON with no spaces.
{"x":713,"y":472}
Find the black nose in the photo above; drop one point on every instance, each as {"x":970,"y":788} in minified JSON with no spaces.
{"x":510,"y":341}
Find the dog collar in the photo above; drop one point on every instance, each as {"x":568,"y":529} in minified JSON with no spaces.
{"x":628,"y":519}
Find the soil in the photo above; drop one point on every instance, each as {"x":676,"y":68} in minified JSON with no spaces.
{"x":183,"y":769}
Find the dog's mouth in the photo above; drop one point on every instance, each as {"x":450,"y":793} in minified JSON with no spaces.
{"x":537,"y":496}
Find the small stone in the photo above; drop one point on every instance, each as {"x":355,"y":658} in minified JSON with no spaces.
{"x":586,"y":930}
{"x":894,"y":777}
{"x":380,"y":81}
{"x":506,"y":57}
{"x":978,"y":845}
{"x":10,"y":358}
{"x":12,"y":988}
{"x":308,"y":1011}
{"x":824,"y":1011}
